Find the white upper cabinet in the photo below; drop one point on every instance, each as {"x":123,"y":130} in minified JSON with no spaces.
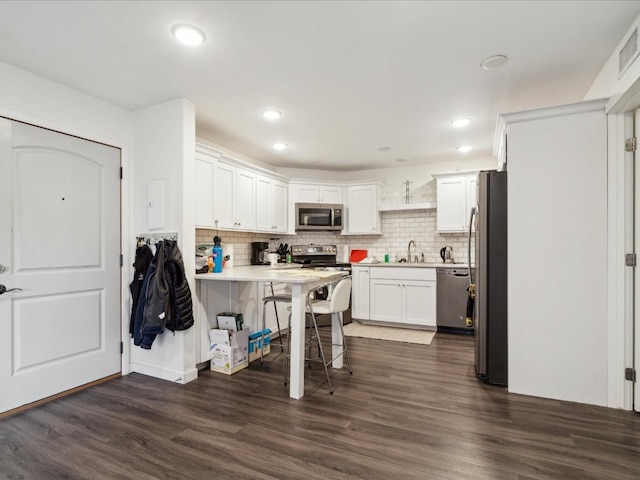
{"x":311,"y":192}
{"x":363,"y":216}
{"x":234,"y":197}
{"x":271,"y":205}
{"x":204,"y":173}
{"x":316,"y":193}
{"x":456,"y":195}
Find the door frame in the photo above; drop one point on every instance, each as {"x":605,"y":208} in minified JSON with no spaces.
{"x":125,"y":214}
{"x":621,"y":291}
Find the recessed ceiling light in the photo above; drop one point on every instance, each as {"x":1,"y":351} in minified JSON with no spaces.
{"x":279,"y":146}
{"x":271,"y":114}
{"x":464,"y":148}
{"x":384,"y":149}
{"x":461,"y":121}
{"x":188,"y":34}
{"x":492,"y":62}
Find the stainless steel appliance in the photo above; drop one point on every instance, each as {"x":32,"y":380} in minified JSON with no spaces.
{"x":446,"y":253}
{"x":490,"y":309}
{"x":318,"y":217}
{"x":451,"y":304}
{"x":321,"y":257}
{"x":259,"y":253}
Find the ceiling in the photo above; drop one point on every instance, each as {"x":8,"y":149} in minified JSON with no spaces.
{"x":349,"y":76}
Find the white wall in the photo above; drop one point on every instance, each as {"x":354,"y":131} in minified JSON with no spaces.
{"x":609,"y":82}
{"x":164,"y":150}
{"x":33,"y":99}
{"x":557,"y":237}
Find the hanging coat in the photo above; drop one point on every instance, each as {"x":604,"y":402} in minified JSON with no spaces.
{"x":165,"y":298}
{"x":143,"y":259}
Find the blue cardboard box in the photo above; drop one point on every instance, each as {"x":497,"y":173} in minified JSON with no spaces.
{"x":255,"y":344}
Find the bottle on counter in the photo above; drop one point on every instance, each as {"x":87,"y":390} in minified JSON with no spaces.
{"x":217,"y":255}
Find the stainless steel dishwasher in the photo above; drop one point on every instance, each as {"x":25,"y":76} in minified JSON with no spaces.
{"x":451,"y":304}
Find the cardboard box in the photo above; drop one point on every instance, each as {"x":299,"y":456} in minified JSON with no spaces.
{"x":229,"y":350}
{"x":230,"y":321}
{"x":255,"y":343}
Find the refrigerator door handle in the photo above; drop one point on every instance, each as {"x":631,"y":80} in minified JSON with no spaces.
{"x":473,"y":213}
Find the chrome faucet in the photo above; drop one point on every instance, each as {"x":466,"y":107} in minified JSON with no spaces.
{"x":409,"y":250}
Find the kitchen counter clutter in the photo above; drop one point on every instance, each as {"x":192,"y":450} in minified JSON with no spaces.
{"x":287,"y":273}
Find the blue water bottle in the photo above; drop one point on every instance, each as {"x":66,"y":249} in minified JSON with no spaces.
{"x":217,"y":255}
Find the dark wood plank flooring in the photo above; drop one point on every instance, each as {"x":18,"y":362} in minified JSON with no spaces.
{"x":407,"y":412}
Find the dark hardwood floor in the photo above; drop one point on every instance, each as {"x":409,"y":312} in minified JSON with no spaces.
{"x":407,"y":412}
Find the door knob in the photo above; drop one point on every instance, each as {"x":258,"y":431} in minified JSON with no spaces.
{"x":3,"y":268}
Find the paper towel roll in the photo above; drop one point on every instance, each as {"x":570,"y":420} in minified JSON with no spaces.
{"x":227,"y":250}
{"x":345,"y":253}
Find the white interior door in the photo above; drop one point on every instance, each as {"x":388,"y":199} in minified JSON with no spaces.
{"x":60,"y":243}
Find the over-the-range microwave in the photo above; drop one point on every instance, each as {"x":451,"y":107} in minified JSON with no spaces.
{"x":318,"y":217}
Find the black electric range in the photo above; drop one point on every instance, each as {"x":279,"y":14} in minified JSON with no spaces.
{"x":317,"y":256}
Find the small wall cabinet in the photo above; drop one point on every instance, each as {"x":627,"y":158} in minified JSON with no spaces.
{"x":316,"y":193}
{"x":362,"y":205}
{"x":456,"y":195}
{"x":271,"y":206}
{"x":204,"y":173}
{"x":234,"y":197}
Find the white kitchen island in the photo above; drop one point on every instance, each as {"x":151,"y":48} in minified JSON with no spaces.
{"x":301,"y":281}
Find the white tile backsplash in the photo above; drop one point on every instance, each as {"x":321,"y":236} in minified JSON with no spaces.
{"x":398,"y":228}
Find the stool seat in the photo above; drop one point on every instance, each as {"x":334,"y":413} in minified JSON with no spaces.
{"x":283,"y":297}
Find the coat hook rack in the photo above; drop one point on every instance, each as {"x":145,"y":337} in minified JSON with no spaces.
{"x":150,"y":239}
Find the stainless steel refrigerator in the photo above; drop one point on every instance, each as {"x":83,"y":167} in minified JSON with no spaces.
{"x":490,"y":306}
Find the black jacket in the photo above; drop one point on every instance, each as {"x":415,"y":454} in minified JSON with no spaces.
{"x":144,"y":256}
{"x":165,"y":297}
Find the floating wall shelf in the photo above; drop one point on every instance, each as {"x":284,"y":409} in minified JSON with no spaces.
{"x":408,"y":206}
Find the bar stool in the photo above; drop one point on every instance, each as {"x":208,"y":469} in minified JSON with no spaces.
{"x":335,"y":305}
{"x":275,"y":298}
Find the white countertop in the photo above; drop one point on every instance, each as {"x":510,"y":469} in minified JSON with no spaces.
{"x":411,"y":265}
{"x":264,"y":273}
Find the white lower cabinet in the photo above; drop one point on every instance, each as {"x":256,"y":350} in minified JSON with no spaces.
{"x":360,"y":292}
{"x":403,"y":295}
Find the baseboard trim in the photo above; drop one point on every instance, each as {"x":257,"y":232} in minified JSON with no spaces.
{"x":165,"y":374}
{"x":42,"y":401}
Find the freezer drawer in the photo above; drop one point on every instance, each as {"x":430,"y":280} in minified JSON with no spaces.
{"x":451,"y":304}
